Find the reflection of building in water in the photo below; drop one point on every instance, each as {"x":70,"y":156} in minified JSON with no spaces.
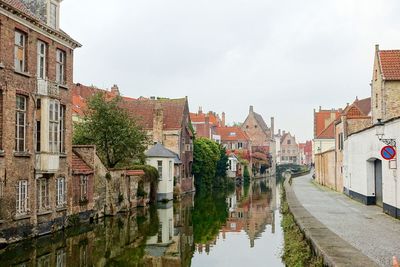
{"x":165,"y":227}
{"x":173,"y":245}
{"x":254,"y":212}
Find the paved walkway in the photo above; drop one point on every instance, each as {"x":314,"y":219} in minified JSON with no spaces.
{"x":367,"y":228}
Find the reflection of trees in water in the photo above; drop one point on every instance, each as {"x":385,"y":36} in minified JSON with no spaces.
{"x":209,"y":215}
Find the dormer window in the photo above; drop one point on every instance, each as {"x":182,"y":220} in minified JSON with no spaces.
{"x":53,"y":15}
{"x":232,"y":134}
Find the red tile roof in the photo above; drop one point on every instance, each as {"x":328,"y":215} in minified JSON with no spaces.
{"x":364,"y":105}
{"x":390,"y":64}
{"x":232,"y":134}
{"x":328,"y":132}
{"x":21,"y":7}
{"x":201,"y":118}
{"x":142,"y":109}
{"x":79,"y":166}
{"x":320,"y":119}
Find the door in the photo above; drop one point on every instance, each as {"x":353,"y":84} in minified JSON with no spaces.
{"x":378,"y":183}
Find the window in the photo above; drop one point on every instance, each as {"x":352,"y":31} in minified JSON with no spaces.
{"x":83,"y":187}
{"x":54,"y":130}
{"x":41,"y":60}
{"x":20,"y":123}
{"x":53,"y":16}
{"x":43,"y":194}
{"x":240,"y":145}
{"x":38,"y":148}
{"x":340,"y":141}
{"x":289,"y":142}
{"x":170,"y":170}
{"x":62,"y":128}
{"x":22,"y":197}
{"x":159,"y":168}
{"x":20,"y":51}
{"x":60,"y":66}
{"x":60,"y":192}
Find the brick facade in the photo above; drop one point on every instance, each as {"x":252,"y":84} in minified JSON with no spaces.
{"x":21,"y":171}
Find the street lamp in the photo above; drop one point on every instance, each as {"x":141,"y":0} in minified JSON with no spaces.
{"x":380,"y":132}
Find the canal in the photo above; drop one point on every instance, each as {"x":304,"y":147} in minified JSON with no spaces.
{"x":231,"y":228}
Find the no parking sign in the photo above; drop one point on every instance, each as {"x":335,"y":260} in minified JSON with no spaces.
{"x":388,"y":152}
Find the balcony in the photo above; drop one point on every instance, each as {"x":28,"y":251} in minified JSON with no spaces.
{"x":46,"y":162}
{"x":47,"y":88}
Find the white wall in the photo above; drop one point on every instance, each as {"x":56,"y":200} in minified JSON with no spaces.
{"x":322,"y":145}
{"x":166,"y":183}
{"x":359,"y":152}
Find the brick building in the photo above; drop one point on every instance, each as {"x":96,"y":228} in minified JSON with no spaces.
{"x":36,"y":74}
{"x":166,"y":121}
{"x":261,"y":135}
{"x":206,"y":124}
{"x":289,"y":149}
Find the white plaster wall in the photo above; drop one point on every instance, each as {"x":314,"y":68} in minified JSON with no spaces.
{"x":166,"y":184}
{"x":359,"y":151}
{"x":323,"y":145}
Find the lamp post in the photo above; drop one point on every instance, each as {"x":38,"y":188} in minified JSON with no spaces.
{"x":380,"y":132}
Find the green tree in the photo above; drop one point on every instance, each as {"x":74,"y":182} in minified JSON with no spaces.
{"x":117,"y":136}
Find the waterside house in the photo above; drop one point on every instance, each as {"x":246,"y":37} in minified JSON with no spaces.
{"x":36,"y":76}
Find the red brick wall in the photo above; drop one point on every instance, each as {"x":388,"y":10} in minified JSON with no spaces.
{"x":12,"y":167}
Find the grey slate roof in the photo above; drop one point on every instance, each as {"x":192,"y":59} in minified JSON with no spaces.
{"x":159,"y":151}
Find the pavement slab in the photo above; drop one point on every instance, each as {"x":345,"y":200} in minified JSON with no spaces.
{"x":366,"y":228}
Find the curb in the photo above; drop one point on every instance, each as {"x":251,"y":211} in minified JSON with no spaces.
{"x":334,"y":250}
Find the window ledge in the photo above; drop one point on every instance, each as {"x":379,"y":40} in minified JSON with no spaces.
{"x":61,"y":209}
{"x":21,"y":217}
{"x":44,"y":212}
{"x":22,"y":154}
{"x":26,"y":74}
{"x":63,"y":155}
{"x":2,"y":65}
{"x":63,"y":86}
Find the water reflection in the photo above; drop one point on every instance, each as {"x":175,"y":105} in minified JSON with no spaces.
{"x":249,"y":230}
{"x":216,"y":229}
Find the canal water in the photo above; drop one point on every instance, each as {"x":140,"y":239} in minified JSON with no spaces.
{"x":232,"y":228}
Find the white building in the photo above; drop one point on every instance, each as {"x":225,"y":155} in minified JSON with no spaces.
{"x":368,"y":177}
{"x":163,"y":160}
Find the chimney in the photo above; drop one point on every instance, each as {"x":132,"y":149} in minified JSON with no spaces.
{"x":272,"y":127}
{"x":283,"y":133}
{"x":377,"y":47}
{"x":158,"y":123}
{"x":200,"y":110}
{"x":251,"y":109}
{"x":223,"y":120}
{"x":115,"y":90}
{"x":279,"y":132}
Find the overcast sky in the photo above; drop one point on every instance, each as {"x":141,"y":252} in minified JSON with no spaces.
{"x":283,"y":57}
